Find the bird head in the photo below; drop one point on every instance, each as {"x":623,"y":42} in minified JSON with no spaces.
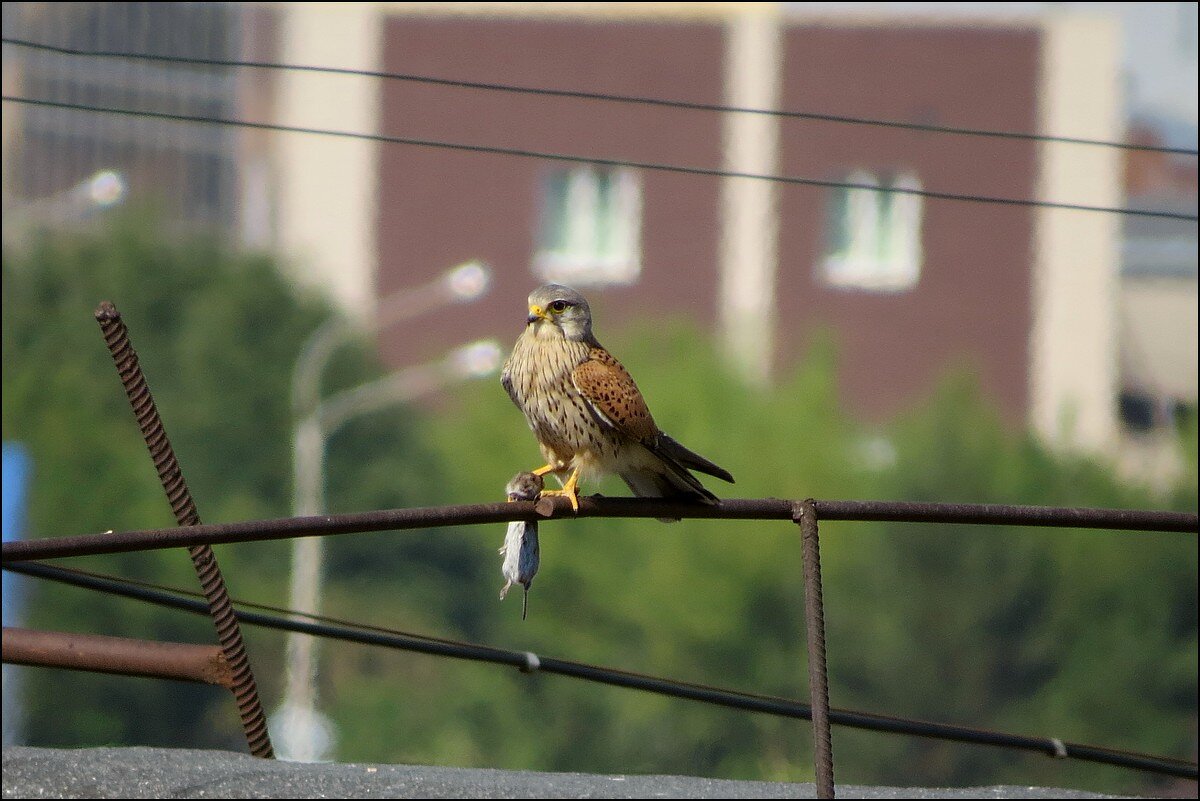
{"x":554,"y":307}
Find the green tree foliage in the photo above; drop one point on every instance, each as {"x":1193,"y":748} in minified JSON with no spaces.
{"x":217,"y":335}
{"x":1084,"y":635}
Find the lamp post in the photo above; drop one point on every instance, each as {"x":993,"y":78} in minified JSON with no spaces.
{"x":464,"y":283}
{"x":302,"y":733}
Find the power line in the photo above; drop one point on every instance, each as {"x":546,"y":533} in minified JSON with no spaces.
{"x":606,"y":162}
{"x":601,"y":96}
{"x":333,"y":628}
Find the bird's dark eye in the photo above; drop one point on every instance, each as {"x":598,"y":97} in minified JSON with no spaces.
{"x":559,"y":306}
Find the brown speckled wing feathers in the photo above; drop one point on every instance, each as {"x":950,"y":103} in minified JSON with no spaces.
{"x":607,"y":386}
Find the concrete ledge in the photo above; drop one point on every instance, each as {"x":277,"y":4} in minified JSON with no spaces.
{"x":170,"y":773}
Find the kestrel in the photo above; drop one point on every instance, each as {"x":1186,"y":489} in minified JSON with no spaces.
{"x":587,"y":413}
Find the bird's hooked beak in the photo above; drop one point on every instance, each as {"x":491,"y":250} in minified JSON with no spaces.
{"x":535,"y":313}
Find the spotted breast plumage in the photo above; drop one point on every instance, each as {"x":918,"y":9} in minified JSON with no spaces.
{"x":587,"y":413}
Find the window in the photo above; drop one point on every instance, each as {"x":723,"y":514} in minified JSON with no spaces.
{"x":873,"y":239}
{"x":590,"y":227}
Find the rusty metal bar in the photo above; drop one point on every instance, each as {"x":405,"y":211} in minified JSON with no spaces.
{"x":229,"y":633}
{"x":121,"y":655}
{"x":595,"y":506}
{"x":814,"y":623}
{"x":989,"y":514}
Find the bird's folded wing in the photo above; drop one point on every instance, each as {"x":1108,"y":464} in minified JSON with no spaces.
{"x":507,"y":382}
{"x":610,"y":392}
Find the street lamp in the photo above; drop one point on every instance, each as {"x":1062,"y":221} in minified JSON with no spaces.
{"x":303,"y":734}
{"x":102,"y":190}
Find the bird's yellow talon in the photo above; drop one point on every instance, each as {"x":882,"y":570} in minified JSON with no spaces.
{"x":570,"y":491}
{"x":572,"y":497}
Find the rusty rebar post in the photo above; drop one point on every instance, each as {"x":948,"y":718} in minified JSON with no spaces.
{"x":805,"y":514}
{"x":120,"y":655}
{"x":229,"y":633}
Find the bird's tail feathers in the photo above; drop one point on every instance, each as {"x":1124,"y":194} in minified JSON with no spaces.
{"x":672,"y":482}
{"x":666,"y":484}
{"x":670,"y":447}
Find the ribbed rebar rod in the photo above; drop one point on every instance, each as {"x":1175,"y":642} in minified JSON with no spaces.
{"x":121,"y":655}
{"x":229,"y":633}
{"x":558,"y":508}
{"x":805,"y":515}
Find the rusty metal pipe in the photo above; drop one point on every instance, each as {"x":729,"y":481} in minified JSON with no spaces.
{"x":121,"y":655}
{"x":593,"y":506}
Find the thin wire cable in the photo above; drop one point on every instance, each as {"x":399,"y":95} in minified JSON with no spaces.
{"x":527,"y":662}
{"x":282,"y":610}
{"x":577,"y":94}
{"x":606,"y":162}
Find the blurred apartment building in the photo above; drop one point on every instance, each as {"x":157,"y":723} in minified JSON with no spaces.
{"x":56,"y":161}
{"x":1025,"y":296}
{"x":1030,"y":298}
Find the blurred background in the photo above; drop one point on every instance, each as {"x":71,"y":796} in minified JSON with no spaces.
{"x":322,"y":317}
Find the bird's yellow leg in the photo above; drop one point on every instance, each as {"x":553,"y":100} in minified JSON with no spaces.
{"x":570,"y":489}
